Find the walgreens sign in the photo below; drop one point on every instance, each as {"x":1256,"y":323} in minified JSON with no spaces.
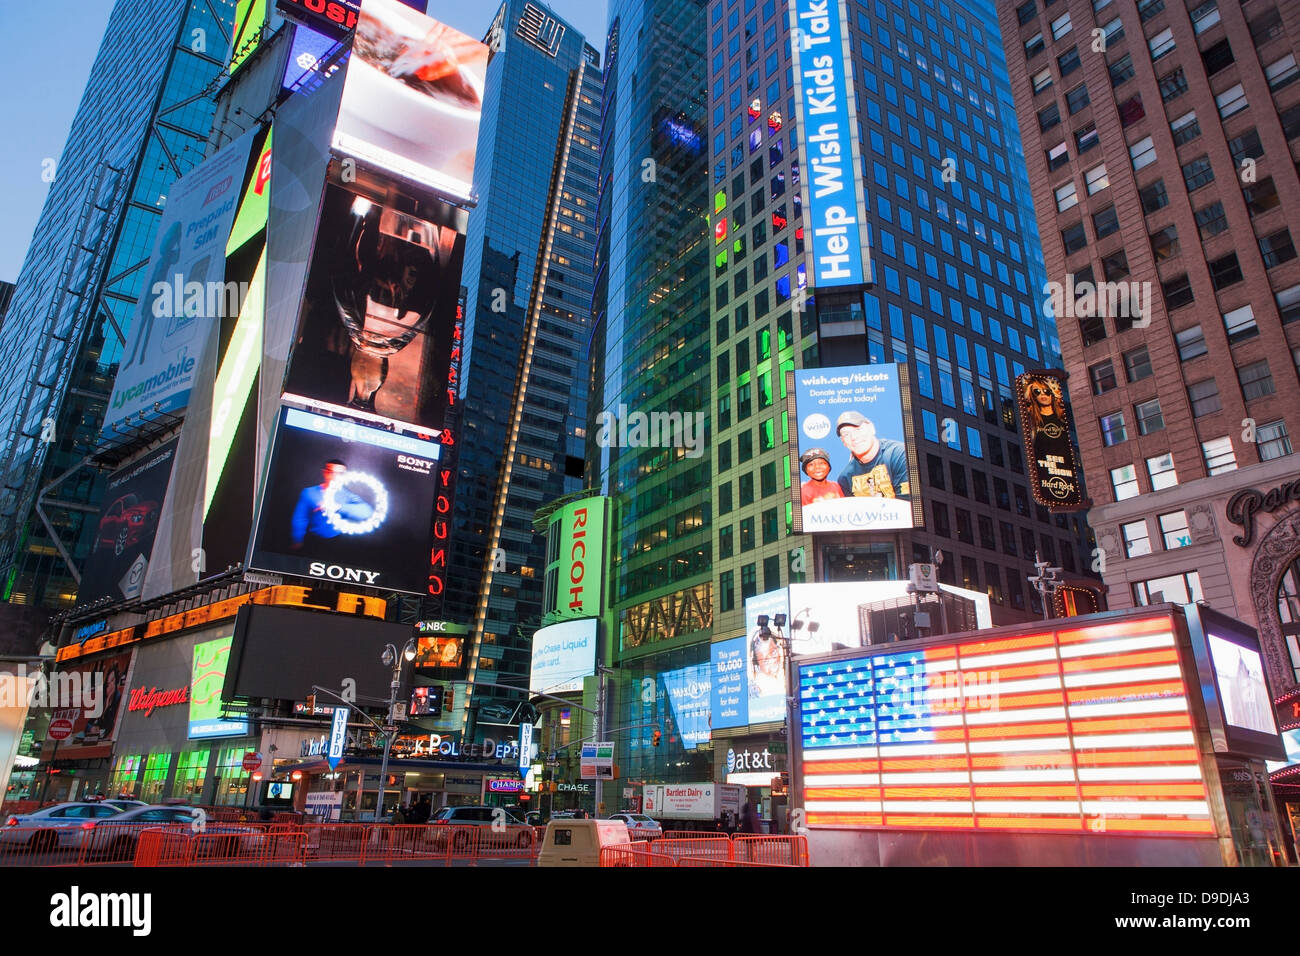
{"x":149,"y":700}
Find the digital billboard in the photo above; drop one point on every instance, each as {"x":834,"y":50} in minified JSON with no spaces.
{"x":207,"y":677}
{"x":688,"y":694}
{"x":1234,"y":684}
{"x":835,"y":615}
{"x":1054,"y":474}
{"x":377,"y":318}
{"x":856,"y":463}
{"x":729,"y":693}
{"x":1070,"y":730}
{"x":834,"y":211}
{"x":413,"y":98}
{"x":91,"y":696}
{"x":563,"y":654}
{"x":185,"y":292}
{"x":346,"y":502}
{"x":250,"y":21}
{"x":765,"y":656}
{"x":441,"y":651}
{"x":576,"y":559}
{"x":128,"y":522}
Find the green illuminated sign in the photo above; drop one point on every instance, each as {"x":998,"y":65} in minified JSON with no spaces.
{"x":251,"y":218}
{"x":207,"y":678}
{"x":578,"y":565}
{"x":250,"y":16}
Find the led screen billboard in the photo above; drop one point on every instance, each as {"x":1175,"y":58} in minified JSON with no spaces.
{"x":834,"y":213}
{"x":688,"y":694}
{"x":89,"y":699}
{"x":413,"y":98}
{"x":563,"y":654}
{"x":185,"y":290}
{"x":1054,"y":474}
{"x":576,"y":559}
{"x":729,"y":693}
{"x":830,"y":616}
{"x":346,"y":502}
{"x":207,"y":678}
{"x":765,"y":656}
{"x":128,"y":522}
{"x":856,"y":463}
{"x":1074,"y":729}
{"x":377,"y":318}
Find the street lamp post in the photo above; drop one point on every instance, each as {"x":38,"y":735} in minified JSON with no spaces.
{"x":391,"y":659}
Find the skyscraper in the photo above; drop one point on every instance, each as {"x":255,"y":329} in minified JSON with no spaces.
{"x":1161,"y":144}
{"x":142,"y":122}
{"x":520,"y":423}
{"x":650,"y":353}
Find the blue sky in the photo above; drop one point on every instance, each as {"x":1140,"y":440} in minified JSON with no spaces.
{"x":45,"y":70}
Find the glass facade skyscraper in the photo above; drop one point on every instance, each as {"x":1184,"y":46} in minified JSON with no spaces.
{"x":142,"y":123}
{"x":522,"y":412}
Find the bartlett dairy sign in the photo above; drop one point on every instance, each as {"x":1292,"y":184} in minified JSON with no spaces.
{"x":832,"y":184}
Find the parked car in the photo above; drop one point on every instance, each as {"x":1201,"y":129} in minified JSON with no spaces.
{"x":639,"y":826}
{"x":125,"y":523}
{"x":116,"y":837}
{"x":123,"y":804}
{"x":52,"y":827}
{"x":476,"y":816}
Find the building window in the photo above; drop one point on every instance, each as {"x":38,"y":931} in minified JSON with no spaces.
{"x":1162,"y":44}
{"x":1058,"y":156}
{"x":1154,"y":196}
{"x":1191,"y":343}
{"x":1246,"y":146}
{"x":1174,"y":588}
{"x":1121,"y":71}
{"x":1042,"y":80}
{"x":1066,"y":197}
{"x":1026,"y":12}
{"x":748,"y":581}
{"x":1232,"y":100}
{"x":1217,"y":57}
{"x":1130,"y":111}
{"x":1164,"y":244}
{"x":1225,"y":271}
{"x":1219,"y":456}
{"x":1173,"y":85}
{"x":1282,"y":73}
{"x":1177,"y":292}
{"x":1204,"y":397}
{"x":1124,"y":482}
{"x":1277,"y":248}
{"x":1198,"y":173}
{"x":965,"y":534}
{"x":1211,"y":220}
{"x":1149,"y":8}
{"x":1077,"y":98}
{"x":1034,"y":46}
{"x":1240,"y":324}
{"x":1068,"y":61}
{"x":1092,"y":329}
{"x":1288,"y":303}
{"x":1137,"y":364}
{"x":1137,"y":539}
{"x":1205,"y":16}
{"x":1143,"y":152}
{"x":1048,"y":117}
{"x":1115,"y":267}
{"x":1173,"y":528}
{"x":1149,"y":417}
{"x":1256,"y":380}
{"x":940,"y":511}
{"x":1113,"y":430}
{"x":1061,"y":26}
{"x":1273,"y":441}
{"x":1160,"y":469}
{"x":727,"y":591}
{"x":1103,"y":377}
{"x":1185,"y":128}
{"x":1106,"y":222}
{"x":1260,"y":197}
{"x":1096,"y":179}
{"x":1074,"y":238}
{"x":1085,"y":138}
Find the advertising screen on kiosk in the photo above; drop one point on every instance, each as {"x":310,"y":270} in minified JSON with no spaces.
{"x":855,"y":470}
{"x":1073,"y":729}
{"x":563,"y":654}
{"x":379,"y":312}
{"x":346,"y":502}
{"x":413,"y":98}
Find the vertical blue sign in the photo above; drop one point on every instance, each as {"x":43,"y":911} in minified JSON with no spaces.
{"x":525,"y":748}
{"x":338,"y":736}
{"x":834,"y":210}
{"x":729,"y":695}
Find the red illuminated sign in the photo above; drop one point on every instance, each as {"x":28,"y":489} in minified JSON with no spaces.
{"x":148,"y":700}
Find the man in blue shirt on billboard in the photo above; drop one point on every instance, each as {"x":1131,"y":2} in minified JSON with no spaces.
{"x":309,"y":517}
{"x":878,"y":468}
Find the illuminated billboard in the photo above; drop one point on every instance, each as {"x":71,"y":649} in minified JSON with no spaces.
{"x":207,"y":677}
{"x":413,"y":98}
{"x":128,"y":523}
{"x":346,"y":502}
{"x":1055,"y":477}
{"x":1238,"y":702}
{"x":377,"y":319}
{"x":729,"y":691}
{"x":184,"y":293}
{"x":576,"y":559}
{"x":250,"y":22}
{"x":563,"y":654}
{"x":765,"y":656}
{"x":1075,"y":729}
{"x":92,"y":697}
{"x":688,"y":694}
{"x":834,"y":212}
{"x":856,"y":464}
{"x":830,"y":616}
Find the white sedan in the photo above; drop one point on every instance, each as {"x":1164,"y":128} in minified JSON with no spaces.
{"x":58,"y":826}
{"x":639,"y":826}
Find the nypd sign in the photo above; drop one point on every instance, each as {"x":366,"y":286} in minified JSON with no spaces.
{"x":833,"y":208}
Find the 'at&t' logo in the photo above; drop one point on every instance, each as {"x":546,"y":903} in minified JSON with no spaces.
{"x":731,"y":760}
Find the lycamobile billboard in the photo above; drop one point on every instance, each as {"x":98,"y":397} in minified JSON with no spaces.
{"x":833,"y":193}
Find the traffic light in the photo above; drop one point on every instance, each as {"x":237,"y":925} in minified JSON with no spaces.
{"x":656,"y":737}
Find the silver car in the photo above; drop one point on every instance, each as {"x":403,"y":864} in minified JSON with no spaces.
{"x":639,"y":826}
{"x":61,"y":825}
{"x":114,"y":838}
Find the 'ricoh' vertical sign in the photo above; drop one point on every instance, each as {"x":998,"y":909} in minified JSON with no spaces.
{"x":834,"y":213}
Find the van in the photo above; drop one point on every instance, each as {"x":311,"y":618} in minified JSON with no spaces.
{"x":578,"y":842}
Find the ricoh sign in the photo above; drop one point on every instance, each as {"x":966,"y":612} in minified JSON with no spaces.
{"x":575,"y":565}
{"x":833,"y":207}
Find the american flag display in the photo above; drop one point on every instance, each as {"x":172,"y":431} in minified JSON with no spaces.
{"x":1079,"y":729}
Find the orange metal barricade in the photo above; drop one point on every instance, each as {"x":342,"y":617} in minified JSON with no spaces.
{"x":633,"y":854}
{"x":774,"y":850}
{"x":711,"y":847}
{"x":162,"y":848}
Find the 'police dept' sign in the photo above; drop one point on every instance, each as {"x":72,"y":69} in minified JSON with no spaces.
{"x":832,"y":167}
